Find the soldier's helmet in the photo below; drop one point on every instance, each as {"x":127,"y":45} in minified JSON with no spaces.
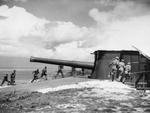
{"x":122,"y":60}
{"x":128,"y":63}
{"x":117,"y":57}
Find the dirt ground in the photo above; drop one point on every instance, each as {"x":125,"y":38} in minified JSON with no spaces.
{"x":87,"y":99}
{"x":69,"y":101}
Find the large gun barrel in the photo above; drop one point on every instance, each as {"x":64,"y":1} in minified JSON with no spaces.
{"x":77,"y":64}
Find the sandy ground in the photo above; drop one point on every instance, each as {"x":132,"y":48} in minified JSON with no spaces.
{"x":73,"y":95}
{"x":43,"y":84}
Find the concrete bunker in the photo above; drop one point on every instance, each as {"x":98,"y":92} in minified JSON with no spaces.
{"x":138,"y":63}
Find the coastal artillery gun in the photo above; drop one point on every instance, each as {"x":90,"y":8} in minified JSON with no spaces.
{"x":75,"y":64}
{"x":100,"y":68}
{"x":102,"y":59}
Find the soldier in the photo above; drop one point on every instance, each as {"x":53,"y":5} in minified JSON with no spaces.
{"x":5,"y":79}
{"x":35,"y":75}
{"x":114,"y":65}
{"x":82,"y":71}
{"x":127,"y":71}
{"x":60,"y":67}
{"x":73,"y":71}
{"x":12,"y":77}
{"x":121,"y":67}
{"x":44,"y":73}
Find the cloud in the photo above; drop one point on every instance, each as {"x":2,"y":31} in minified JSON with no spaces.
{"x":14,"y":1}
{"x":24,"y":34}
{"x":20,"y":0}
{"x":126,"y":23}
{"x":2,"y":17}
{"x":17,"y":25}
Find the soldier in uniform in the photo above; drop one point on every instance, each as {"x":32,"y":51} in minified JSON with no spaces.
{"x":82,"y":71}
{"x":44,"y":73}
{"x":114,"y":65}
{"x":35,"y":75}
{"x":127,"y":71}
{"x":73,"y":71}
{"x":121,"y":67}
{"x":13,"y":77}
{"x":60,"y":67}
{"x":5,"y":79}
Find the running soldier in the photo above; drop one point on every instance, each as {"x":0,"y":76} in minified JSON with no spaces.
{"x":114,"y":66}
{"x":5,"y":79}
{"x":12,"y":77}
{"x":73,"y":71}
{"x":44,"y":73}
{"x":35,"y":75}
{"x":60,"y":67}
{"x":121,"y":69}
{"x":83,"y":71}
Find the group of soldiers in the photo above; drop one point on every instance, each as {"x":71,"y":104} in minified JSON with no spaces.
{"x":73,"y":71}
{"x":119,"y":70}
{"x":37,"y":72}
{"x":12,"y":78}
{"x":44,"y":73}
{"x":36,"y":75}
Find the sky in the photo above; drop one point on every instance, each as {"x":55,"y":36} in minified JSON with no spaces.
{"x":72,"y":29}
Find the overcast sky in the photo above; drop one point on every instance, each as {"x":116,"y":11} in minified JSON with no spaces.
{"x":72,"y":29}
